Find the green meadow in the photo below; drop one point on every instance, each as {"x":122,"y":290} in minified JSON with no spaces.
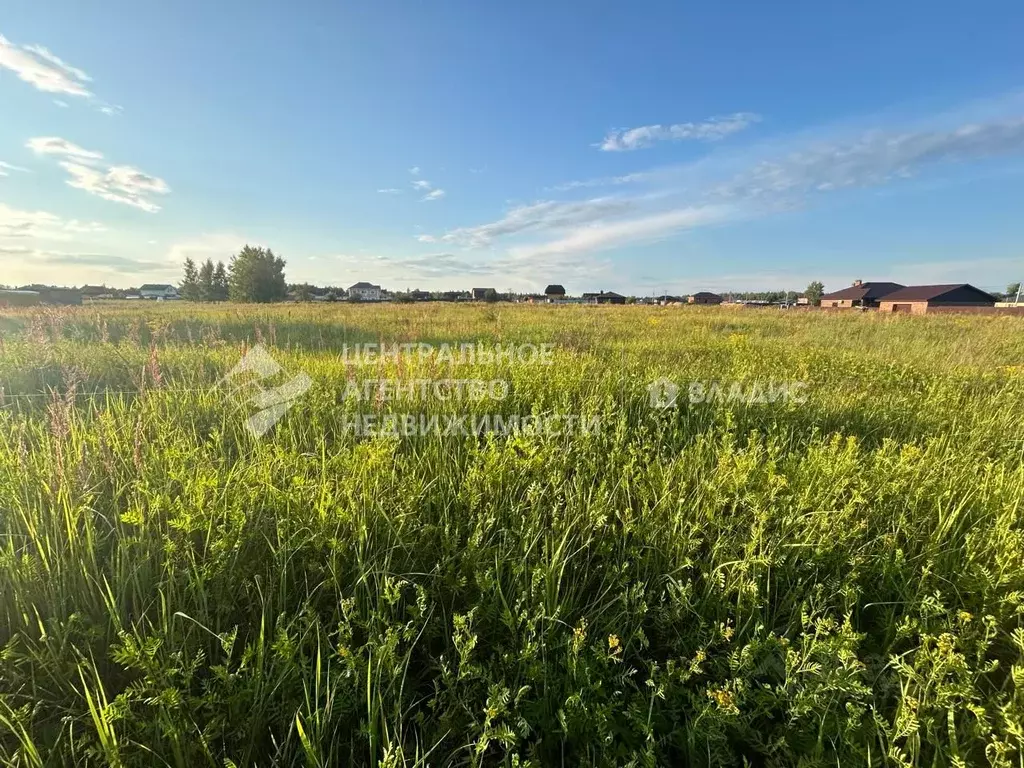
{"x":830,"y":579}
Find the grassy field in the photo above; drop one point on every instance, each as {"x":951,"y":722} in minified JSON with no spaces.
{"x":832,"y":581}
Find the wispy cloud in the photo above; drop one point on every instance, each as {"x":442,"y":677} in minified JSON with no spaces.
{"x":119,"y":264}
{"x":713,"y":129}
{"x":44,"y":71}
{"x":389,"y":191}
{"x":598,"y":237}
{"x":874,"y":159}
{"x":24,"y":264}
{"x":432,"y":193}
{"x":758,"y":181}
{"x":117,"y":183}
{"x":541,"y":216}
{"x":415,"y":170}
{"x":22,"y":224}
{"x":52,"y":145}
{"x":604,"y":181}
{"x":6,"y":168}
{"x":47,"y":72}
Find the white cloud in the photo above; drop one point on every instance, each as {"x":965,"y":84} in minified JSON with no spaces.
{"x":52,"y":145}
{"x":426,"y":238}
{"x":61,"y":104}
{"x":415,"y":170}
{"x":24,"y":265}
{"x":42,"y":225}
{"x":605,"y":181}
{"x":111,"y":109}
{"x":117,"y":183}
{"x":712,"y":129}
{"x":41,"y":69}
{"x":389,"y":191}
{"x":540,"y":216}
{"x":873,"y":159}
{"x":601,"y":236}
{"x":425,"y":186}
{"x":5,"y":167}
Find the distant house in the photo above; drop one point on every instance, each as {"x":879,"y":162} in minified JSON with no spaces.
{"x":95,"y":292}
{"x":704,"y":297}
{"x":418,"y":295}
{"x":365,"y":292}
{"x":604,"y":297}
{"x":554,"y":292}
{"x":918,"y":299}
{"x":860,"y":294}
{"x":159,"y":291}
{"x":665,"y":299}
{"x":479,"y":294}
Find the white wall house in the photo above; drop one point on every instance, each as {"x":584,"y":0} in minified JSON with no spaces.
{"x":158,"y":291}
{"x":365,"y":292}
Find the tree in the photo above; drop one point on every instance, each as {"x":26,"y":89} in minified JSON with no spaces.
{"x":220,"y":282}
{"x":189,"y":286}
{"x":1011,"y":291}
{"x":256,"y":275}
{"x":206,"y":281}
{"x":814,"y":292}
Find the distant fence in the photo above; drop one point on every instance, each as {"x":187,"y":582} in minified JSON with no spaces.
{"x":1015,"y":311}
{"x":1019,"y":311}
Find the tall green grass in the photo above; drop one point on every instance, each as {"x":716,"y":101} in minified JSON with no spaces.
{"x":837,"y":582}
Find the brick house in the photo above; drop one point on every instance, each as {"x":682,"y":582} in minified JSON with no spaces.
{"x":919,"y":299}
{"x":860,"y":294}
{"x":604,"y":297}
{"x":704,"y":297}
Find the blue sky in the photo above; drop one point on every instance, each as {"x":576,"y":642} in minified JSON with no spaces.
{"x":644,"y":147}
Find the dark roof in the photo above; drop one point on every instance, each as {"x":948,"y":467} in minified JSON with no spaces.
{"x":613,"y":294}
{"x":864,"y":291}
{"x":363,"y":286}
{"x":155,"y":287}
{"x":706,"y":295}
{"x":932,"y":292}
{"x":554,"y":290}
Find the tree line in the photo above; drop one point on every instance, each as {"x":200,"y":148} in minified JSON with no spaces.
{"x":254,"y":274}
